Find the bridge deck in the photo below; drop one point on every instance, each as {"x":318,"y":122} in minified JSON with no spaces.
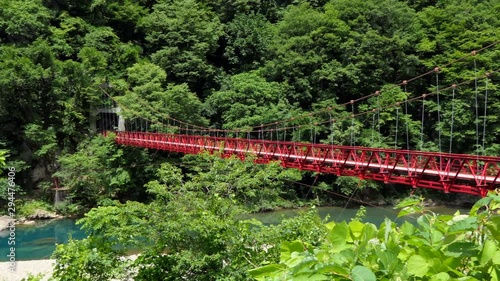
{"x":460,"y":173}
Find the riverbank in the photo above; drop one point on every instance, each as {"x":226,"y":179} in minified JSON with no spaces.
{"x":25,"y":268}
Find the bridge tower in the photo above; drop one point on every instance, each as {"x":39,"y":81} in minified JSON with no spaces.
{"x":107,"y":119}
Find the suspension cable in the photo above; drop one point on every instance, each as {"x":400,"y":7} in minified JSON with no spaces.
{"x":331,"y":128}
{"x":378,"y":115}
{"x":407,"y":121}
{"x":299,"y":126}
{"x":485,"y":109}
{"x":438,"y":108}
{"x":373,"y":128}
{"x":439,"y":119}
{"x":423,"y":96}
{"x":396,"y":85}
{"x":314,"y":140}
{"x":353,"y":142}
{"x":311,"y":131}
{"x":348,"y":201}
{"x":422,"y":125}
{"x":364,"y":97}
{"x":476,"y":104}
{"x":397,"y":124}
{"x":452,"y":115}
{"x":284,"y":132}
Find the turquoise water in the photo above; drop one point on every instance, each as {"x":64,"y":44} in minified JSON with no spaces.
{"x":38,"y":242}
{"x":375,"y":215}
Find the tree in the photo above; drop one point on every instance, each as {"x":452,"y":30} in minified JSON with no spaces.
{"x":227,"y":10}
{"x":100,"y":170}
{"x":121,"y":15}
{"x":247,"y":42}
{"x":201,"y":228}
{"x":342,"y":51}
{"x":255,"y":187}
{"x":148,"y":96}
{"x":180,"y":35}
{"x":247,"y":99}
{"x":22,"y":22}
{"x":445,"y":39}
{"x":81,"y":260}
{"x":28,"y":72}
{"x":304,"y":49}
{"x":68,"y":38}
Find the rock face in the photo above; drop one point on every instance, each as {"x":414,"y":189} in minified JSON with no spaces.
{"x":4,"y":222}
{"x":41,"y":215}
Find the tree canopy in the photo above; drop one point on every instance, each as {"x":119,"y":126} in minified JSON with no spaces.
{"x":237,"y":64}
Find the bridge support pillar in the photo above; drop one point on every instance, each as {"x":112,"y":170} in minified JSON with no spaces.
{"x":446,"y":185}
{"x":414,"y":181}
{"x":483,"y":190}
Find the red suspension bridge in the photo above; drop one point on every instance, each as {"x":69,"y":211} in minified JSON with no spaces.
{"x":474,"y":174}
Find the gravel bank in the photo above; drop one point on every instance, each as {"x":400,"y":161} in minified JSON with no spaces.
{"x":24,"y":268}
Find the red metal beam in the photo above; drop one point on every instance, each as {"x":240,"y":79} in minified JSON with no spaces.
{"x":448,"y":172}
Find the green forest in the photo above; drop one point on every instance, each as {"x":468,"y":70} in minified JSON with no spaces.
{"x":237,"y":64}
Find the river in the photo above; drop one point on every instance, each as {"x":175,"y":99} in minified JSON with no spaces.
{"x":38,"y":242}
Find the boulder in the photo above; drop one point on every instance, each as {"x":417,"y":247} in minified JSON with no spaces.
{"x":40,"y":214}
{"x":381,"y":202}
{"x":4,"y":222}
{"x":429,"y":203}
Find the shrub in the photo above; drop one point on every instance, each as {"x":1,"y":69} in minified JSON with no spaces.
{"x":438,"y":247}
{"x":30,"y":207}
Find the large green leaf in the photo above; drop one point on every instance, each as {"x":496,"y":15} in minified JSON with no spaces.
{"x":494,"y":227}
{"x":338,"y":236}
{"x":409,"y":211}
{"x":417,"y":266}
{"x":356,"y":228}
{"x":309,"y":277}
{"x":287,"y":248}
{"x":361,"y":273}
{"x":333,"y":269}
{"x":408,"y":202}
{"x":489,"y":249}
{"x":496,"y":258}
{"x":442,"y":276}
{"x":388,"y":259}
{"x":460,"y":226}
{"x":407,"y":228}
{"x":461,"y":249}
{"x":479,"y":204}
{"x":494,"y":273}
{"x":266,"y":270}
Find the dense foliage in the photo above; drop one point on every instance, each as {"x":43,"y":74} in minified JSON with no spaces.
{"x":437,"y":247}
{"x":193,"y":226}
{"x":238,"y":64}
{"x":188,"y":232}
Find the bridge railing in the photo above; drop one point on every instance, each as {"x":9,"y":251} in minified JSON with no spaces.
{"x":448,"y":172}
